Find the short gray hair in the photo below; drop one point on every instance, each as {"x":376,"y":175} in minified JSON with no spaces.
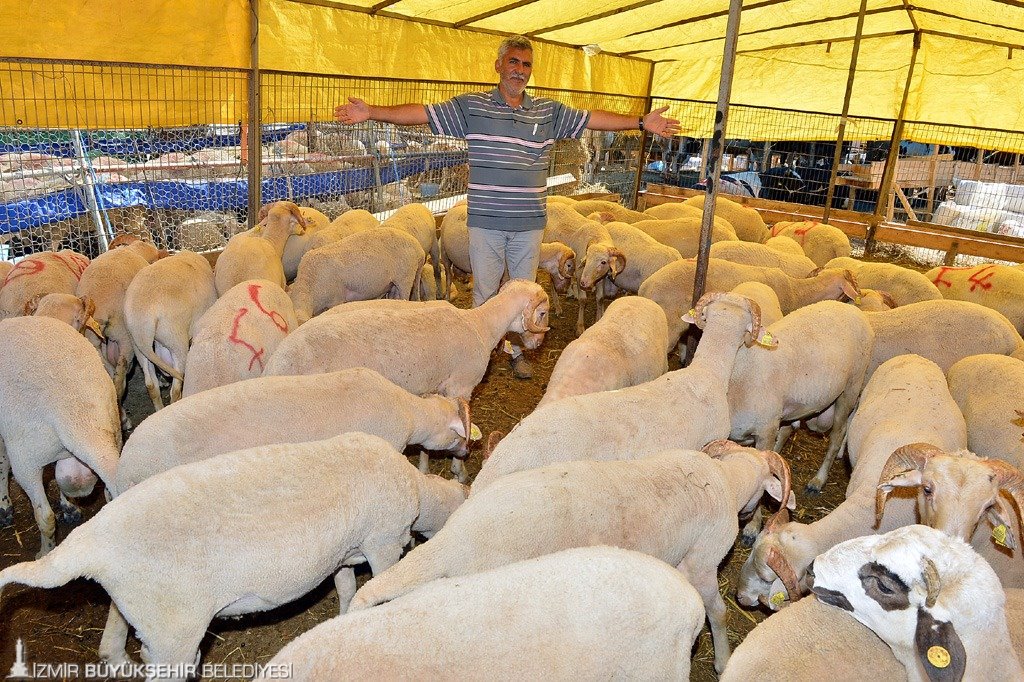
{"x":514,"y":43}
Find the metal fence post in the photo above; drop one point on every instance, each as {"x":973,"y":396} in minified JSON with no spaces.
{"x":89,"y":189}
{"x":255,"y":117}
{"x":644,"y":136}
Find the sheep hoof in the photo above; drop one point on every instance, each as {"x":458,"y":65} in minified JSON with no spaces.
{"x":71,"y":516}
{"x":747,"y":538}
{"x":813,"y":488}
{"x":6,"y":517}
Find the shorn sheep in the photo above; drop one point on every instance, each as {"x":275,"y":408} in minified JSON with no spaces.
{"x":679,"y":506}
{"x":171,"y":562}
{"x":236,"y":336}
{"x":418,"y":221}
{"x":999,"y":287}
{"x":904,"y":285}
{"x":258,"y":254}
{"x":763,"y":256}
{"x":988,"y":389}
{"x":293,"y":409}
{"x":683,"y":233}
{"x":682,"y":409}
{"x":40,"y":274}
{"x":611,"y":597}
{"x":819,"y":241}
{"x":930,"y":597}
{"x":744,"y":220}
{"x":624,"y":348}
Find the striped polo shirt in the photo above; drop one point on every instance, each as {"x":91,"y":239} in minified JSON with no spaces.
{"x":508,"y":153}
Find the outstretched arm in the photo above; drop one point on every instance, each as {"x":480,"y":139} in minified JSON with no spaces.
{"x":357,"y":111}
{"x":653,"y":121}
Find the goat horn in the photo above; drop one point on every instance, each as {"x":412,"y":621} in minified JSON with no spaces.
{"x":779,"y":468}
{"x":1010,"y":479}
{"x":932,"y":582}
{"x":778,"y":563}
{"x":902,"y":460}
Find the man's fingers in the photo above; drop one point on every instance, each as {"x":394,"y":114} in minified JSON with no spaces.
{"x":355,"y":100}
{"x":660,"y":110}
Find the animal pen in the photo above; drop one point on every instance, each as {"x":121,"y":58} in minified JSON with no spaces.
{"x":175,"y":121}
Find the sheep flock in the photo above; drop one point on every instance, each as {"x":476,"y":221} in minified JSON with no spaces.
{"x":308,"y":458}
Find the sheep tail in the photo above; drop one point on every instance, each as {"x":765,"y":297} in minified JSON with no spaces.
{"x":144,"y":334}
{"x":57,"y":568}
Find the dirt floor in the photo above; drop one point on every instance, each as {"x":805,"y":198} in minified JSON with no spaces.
{"x":64,"y":625}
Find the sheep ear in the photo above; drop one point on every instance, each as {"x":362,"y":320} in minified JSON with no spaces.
{"x":1002,"y":529}
{"x":31,"y":305}
{"x":773,"y":487}
{"x":690,"y":317}
{"x":778,"y":596}
{"x":939,"y":649}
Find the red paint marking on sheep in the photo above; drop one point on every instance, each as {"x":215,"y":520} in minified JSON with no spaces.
{"x":802,"y":231}
{"x":257,"y":355}
{"x":25,"y":267}
{"x":979,"y":280}
{"x":76,"y":266}
{"x":275,"y":317}
{"x":948,"y":268}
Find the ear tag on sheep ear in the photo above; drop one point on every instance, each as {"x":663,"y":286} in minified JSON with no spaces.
{"x":999,"y":534}
{"x":858,"y":300}
{"x":777,"y":599}
{"x":690,"y":317}
{"x":507,"y":347}
{"x":938,"y":656}
{"x":767,"y":340}
{"x":474,"y":432}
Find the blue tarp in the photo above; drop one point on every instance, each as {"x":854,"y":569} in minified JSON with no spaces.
{"x":210,"y":195}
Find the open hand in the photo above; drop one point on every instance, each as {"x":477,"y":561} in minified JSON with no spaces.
{"x":659,"y":125}
{"x":356,"y":111}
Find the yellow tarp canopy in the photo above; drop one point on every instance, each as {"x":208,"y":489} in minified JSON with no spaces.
{"x":793,"y":54}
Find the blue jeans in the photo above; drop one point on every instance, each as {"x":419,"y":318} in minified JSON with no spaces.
{"x":491,"y":250}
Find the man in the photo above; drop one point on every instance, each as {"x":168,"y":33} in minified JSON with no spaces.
{"x":510,"y":136}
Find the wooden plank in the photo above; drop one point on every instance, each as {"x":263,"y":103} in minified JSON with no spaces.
{"x":905,"y":202}
{"x":944,"y":238}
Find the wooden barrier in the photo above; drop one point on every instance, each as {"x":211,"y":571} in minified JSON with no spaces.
{"x":952,"y":240}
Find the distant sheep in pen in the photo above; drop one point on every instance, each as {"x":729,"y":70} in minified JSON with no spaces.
{"x":999,"y":287}
{"x":820,"y":242}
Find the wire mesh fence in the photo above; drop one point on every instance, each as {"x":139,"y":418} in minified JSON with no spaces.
{"x":90,"y":150}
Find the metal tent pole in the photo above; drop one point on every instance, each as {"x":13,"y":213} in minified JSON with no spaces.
{"x":889,"y":173}
{"x":644,"y":136}
{"x":255,"y":127}
{"x":89,"y":189}
{"x":715,"y":157}
{"x":846,"y":111}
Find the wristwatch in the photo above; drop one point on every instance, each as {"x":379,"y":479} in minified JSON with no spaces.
{"x":641,"y":123}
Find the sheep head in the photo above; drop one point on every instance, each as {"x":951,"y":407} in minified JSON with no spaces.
{"x":531,"y":323}
{"x":601,"y":259}
{"x":559,"y":261}
{"x":777,"y":565}
{"x":76,"y":311}
{"x":955,"y":490}
{"x":754,"y":333}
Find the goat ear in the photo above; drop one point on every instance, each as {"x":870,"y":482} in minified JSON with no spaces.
{"x":939,"y":649}
{"x":773,"y":487}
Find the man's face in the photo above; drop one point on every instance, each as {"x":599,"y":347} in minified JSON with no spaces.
{"x":514,"y":69}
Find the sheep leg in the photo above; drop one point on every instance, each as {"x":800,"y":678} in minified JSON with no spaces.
{"x":345,"y":584}
{"x":30,"y":478}
{"x":381,"y":554}
{"x":556,"y":301}
{"x":581,"y":298}
{"x":6,"y":507}
{"x":752,"y":528}
{"x":706,"y":584}
{"x":175,"y":640}
{"x":152,"y":384}
{"x":459,"y":469}
{"x":435,"y":256}
{"x":179,"y":352}
{"x":114,"y":642}
{"x":67,"y":511}
{"x":785,"y":433}
{"x":424,"y":462}
{"x":836,"y":441}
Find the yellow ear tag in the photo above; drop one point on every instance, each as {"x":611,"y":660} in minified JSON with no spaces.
{"x":938,"y":656}
{"x":692,"y":312}
{"x":858,"y":300}
{"x":777,"y":599}
{"x":507,"y":347}
{"x":474,"y":432}
{"x":999,"y":534}
{"x":766,"y":340}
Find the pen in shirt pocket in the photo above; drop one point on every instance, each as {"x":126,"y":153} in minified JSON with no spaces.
{"x":534,"y":128}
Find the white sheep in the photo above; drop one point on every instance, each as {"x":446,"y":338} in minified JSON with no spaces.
{"x":936,"y":603}
{"x":904,"y":285}
{"x":624,"y":348}
{"x":942,"y":331}
{"x":820,"y":242}
{"x":681,"y":409}
{"x":761,"y":255}
{"x":557,"y":259}
{"x":672,"y":209}
{"x":56,"y":401}
{"x":678,"y":505}
{"x":418,"y":221}
{"x":765,"y":298}
{"x":672,"y":287}
{"x":988,"y":388}
{"x":744,"y":220}
{"x":40,"y":274}
{"x":153,"y":540}
{"x":785,"y":244}
{"x":161,"y":305}
{"x":206,"y":231}
{"x":435,"y":347}
{"x":644,"y":255}
{"x":999,"y":287}
{"x":295,"y":409}
{"x":618,"y":212}
{"x":683,"y":233}
{"x":611,"y":596}
{"x":823,"y":353}
{"x":297,"y":245}
{"x":596,"y":254}
{"x":347,"y":223}
{"x":257,"y":254}
{"x":235,"y":337}
{"x":105,"y":281}
{"x":427,"y":292}
{"x":76,"y":311}
{"x":366,"y":265}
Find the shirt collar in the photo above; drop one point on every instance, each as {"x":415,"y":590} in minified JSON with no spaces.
{"x":500,"y":99}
